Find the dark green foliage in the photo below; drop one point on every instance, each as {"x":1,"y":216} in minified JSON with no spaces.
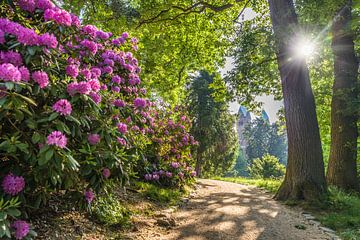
{"x":109,"y":210}
{"x":265,"y":138}
{"x":158,"y":194}
{"x":267,"y":167}
{"x":213,"y":126}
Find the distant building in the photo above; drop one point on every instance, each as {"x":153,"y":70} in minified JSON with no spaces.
{"x":244,"y":118}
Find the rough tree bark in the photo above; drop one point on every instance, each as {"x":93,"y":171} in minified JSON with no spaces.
{"x":305,"y":175}
{"x":341,"y":170}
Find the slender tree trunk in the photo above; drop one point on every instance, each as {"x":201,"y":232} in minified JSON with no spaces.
{"x":198,"y":165}
{"x":341,"y":170}
{"x":305,"y":175}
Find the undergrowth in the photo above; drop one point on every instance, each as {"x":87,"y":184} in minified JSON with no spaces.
{"x":161,"y":195}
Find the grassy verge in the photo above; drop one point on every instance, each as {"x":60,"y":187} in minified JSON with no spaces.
{"x":340,"y":212}
{"x":163,"y":196}
{"x":271,"y":185}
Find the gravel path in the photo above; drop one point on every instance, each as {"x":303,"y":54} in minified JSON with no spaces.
{"x":224,"y":211}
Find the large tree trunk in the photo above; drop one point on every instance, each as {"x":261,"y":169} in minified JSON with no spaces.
{"x":341,"y":170}
{"x":305,"y":175}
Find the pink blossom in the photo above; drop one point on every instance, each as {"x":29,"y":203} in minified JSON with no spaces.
{"x":86,"y":73}
{"x":181,"y":175}
{"x":90,"y":29}
{"x":58,"y":15}
{"x":41,"y":78}
{"x":11,"y":57}
{"x":83,"y":88}
{"x":57,"y":138}
{"x":116,"y":79}
{"x":44,"y":4}
{"x":95,"y":85}
{"x":140,"y":103}
{"x":12,"y":184}
{"x":2,"y":37}
{"x":89,"y":196}
{"x":72,"y":88}
{"x":121,"y":141}
{"x":122,"y":127}
{"x":90,"y":45}
{"x":106,"y":173}
{"x":148,"y":177}
{"x":63,"y":107}
{"x":48,"y":40}
{"x":95,"y":97}
{"x":115,"y":89}
{"x":27,"y":5}
{"x":175,"y":165}
{"x":193,"y":174}
{"x":21,"y":227}
{"x":119,"y":103}
{"x":95,"y":72}
{"x":94,"y":139}
{"x":168,"y":174}
{"x":25,"y":74}
{"x":72,"y":70}
{"x":125,"y":35}
{"x":9,"y":72}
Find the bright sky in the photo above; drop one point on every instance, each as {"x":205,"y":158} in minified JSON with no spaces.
{"x":270,"y":105}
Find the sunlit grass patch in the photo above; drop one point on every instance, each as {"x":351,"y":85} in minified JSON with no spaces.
{"x":271,"y":185}
{"x":159,"y":194}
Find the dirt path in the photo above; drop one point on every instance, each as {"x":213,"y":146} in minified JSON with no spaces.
{"x":224,"y":211}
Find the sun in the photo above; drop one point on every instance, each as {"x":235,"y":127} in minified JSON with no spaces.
{"x":304,"y":48}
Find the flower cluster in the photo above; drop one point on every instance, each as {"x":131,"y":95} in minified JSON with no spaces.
{"x":77,"y":108}
{"x":12,"y":184}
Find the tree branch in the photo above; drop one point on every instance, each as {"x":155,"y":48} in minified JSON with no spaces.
{"x":198,"y":7}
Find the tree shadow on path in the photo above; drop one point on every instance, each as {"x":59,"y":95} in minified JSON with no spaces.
{"x":223,"y":211}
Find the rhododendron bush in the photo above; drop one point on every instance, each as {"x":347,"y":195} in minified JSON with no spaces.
{"x":73,"y":113}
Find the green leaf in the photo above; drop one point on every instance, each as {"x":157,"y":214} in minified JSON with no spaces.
{"x":53,"y":116}
{"x":9,"y":85}
{"x":49,"y":154}
{"x":13,"y":212}
{"x":36,"y":137}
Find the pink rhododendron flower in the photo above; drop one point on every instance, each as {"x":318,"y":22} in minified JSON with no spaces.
{"x":155,"y":177}
{"x":63,"y":107}
{"x":86,"y":73}
{"x":95,"y":97}
{"x":95,"y":85}
{"x":48,"y":40}
{"x":90,"y":29}
{"x":119,"y":103}
{"x":44,"y":4}
{"x":89,"y":196}
{"x":41,"y":78}
{"x":181,"y":174}
{"x":21,"y":227}
{"x":193,"y":174}
{"x":9,"y":72}
{"x":95,"y":72}
{"x":94,"y":139}
{"x":175,"y":164}
{"x":72,"y":70}
{"x":27,"y":5}
{"x":140,"y":103}
{"x":116,"y":79}
{"x":58,"y":15}
{"x":75,"y":20}
{"x":2,"y":37}
{"x":11,"y":57}
{"x":121,"y":141}
{"x":168,"y":174}
{"x":83,"y":88}
{"x":122,"y":127}
{"x":125,"y":35}
{"x":12,"y":184}
{"x":90,"y":45}
{"x":115,"y":89}
{"x":148,"y":177}
{"x":57,"y":138}
{"x":106,"y":173}
{"x":25,"y":74}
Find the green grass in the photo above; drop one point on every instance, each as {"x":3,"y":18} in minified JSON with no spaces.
{"x":271,"y":185}
{"x":165,"y":196}
{"x":340,"y":212}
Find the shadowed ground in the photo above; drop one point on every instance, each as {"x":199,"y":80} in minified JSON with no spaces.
{"x":224,"y":211}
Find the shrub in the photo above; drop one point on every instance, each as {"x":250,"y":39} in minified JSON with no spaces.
{"x":267,"y":167}
{"x":72,"y":111}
